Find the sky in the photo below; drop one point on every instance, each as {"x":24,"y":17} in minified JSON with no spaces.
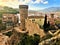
{"x":33,"y":4}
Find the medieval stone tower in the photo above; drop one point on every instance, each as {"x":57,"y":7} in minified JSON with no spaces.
{"x":23,"y":15}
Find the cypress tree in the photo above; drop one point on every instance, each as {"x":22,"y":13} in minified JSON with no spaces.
{"x":48,"y":25}
{"x":45,"y":23}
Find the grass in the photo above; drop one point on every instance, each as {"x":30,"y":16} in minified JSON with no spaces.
{"x":40,"y":21}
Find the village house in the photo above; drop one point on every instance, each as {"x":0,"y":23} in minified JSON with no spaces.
{"x":9,"y":19}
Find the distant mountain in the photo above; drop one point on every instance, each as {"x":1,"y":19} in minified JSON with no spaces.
{"x":6,"y":9}
{"x":32,"y":11}
{"x":47,"y":10}
{"x":51,"y":9}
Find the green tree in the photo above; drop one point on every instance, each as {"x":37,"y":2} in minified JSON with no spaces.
{"x":29,"y":40}
{"x":0,"y":21}
{"x":45,"y":24}
{"x":9,"y":33}
{"x":36,"y":39}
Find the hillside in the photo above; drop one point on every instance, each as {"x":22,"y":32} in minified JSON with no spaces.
{"x":6,"y":9}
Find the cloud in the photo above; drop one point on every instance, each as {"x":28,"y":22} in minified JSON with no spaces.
{"x":32,"y":2}
{"x":39,"y":1}
{"x":25,"y":1}
{"x":16,"y":3}
{"x":44,"y":2}
{"x":36,"y":1}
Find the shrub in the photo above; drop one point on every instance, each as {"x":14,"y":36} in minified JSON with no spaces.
{"x":2,"y":27}
{"x":9,"y":33}
{"x":29,"y":40}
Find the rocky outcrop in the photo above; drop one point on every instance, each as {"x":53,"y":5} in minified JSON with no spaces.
{"x":14,"y":38}
{"x":34,"y":28}
{"x":49,"y":41}
{"x":4,"y":39}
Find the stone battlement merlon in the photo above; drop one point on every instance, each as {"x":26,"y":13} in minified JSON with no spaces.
{"x":23,"y":6}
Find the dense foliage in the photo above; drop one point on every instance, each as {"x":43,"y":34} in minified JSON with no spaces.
{"x":2,"y":26}
{"x":47,"y":26}
{"x":8,"y":10}
{"x":9,"y":33}
{"x":29,"y":40}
